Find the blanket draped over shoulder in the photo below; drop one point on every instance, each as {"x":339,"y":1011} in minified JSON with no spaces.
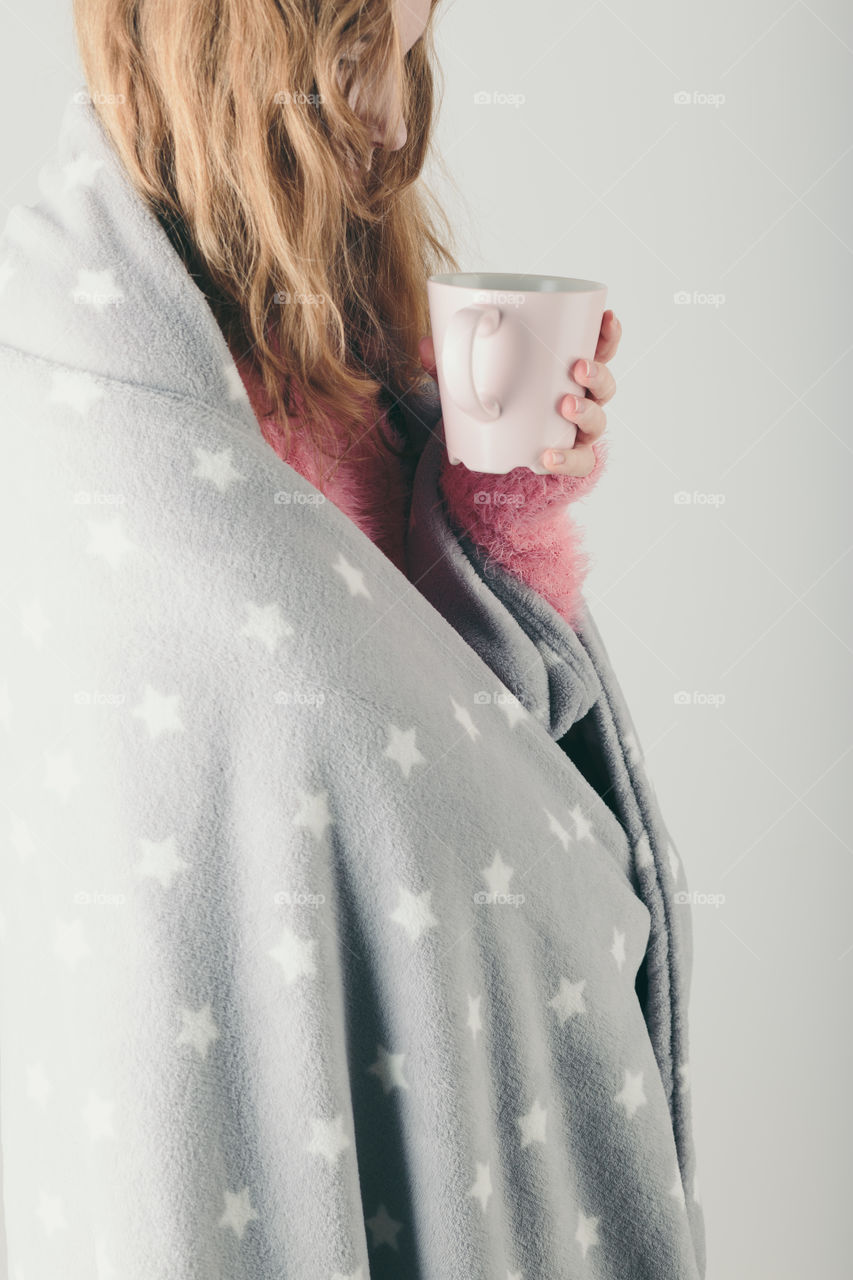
{"x":341,"y":934}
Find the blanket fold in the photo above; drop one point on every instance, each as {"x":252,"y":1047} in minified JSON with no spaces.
{"x":340,"y":931}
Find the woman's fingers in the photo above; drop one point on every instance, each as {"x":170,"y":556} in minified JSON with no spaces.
{"x":609,"y":337}
{"x":587,"y":414}
{"x":585,"y":411}
{"x":577,"y":461}
{"x":597,"y":378}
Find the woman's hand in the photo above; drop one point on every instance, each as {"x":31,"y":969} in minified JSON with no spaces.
{"x":586,"y":411}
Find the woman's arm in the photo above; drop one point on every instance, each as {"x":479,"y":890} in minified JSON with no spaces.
{"x":522,"y":519}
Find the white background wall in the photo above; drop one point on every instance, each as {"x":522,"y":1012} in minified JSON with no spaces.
{"x":740,"y":198}
{"x":600,"y":173}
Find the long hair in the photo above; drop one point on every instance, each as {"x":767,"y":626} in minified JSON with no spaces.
{"x":233,"y":121}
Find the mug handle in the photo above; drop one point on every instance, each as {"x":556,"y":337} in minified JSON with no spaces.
{"x":458,"y":356}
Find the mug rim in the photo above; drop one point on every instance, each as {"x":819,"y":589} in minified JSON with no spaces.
{"x":496,"y":279}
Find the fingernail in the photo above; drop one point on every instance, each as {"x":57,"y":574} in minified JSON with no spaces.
{"x":553,"y":459}
{"x":590,"y":369}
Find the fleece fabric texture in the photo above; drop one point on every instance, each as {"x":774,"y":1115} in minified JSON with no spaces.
{"x":520,"y":519}
{"x":524,"y":523}
{"x":341,"y":932}
{"x":369,"y":483}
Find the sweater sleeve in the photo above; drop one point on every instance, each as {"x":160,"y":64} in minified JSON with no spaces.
{"x":523,"y":521}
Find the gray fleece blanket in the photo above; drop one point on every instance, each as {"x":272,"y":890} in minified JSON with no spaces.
{"x":341,"y":936}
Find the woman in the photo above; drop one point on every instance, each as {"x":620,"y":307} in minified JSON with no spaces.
{"x":347,"y":913}
{"x":355,"y":254}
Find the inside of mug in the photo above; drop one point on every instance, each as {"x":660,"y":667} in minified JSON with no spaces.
{"x":509,"y":281}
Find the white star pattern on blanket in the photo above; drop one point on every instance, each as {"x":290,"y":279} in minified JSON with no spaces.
{"x":98,"y":289}
{"x":198,"y":1029}
{"x":217,"y":467}
{"x":295,"y":955}
{"x":583,"y":828}
{"x":107,"y":539}
{"x":76,"y":389}
{"x":631,"y":1096}
{"x":353,"y":577}
{"x":383,"y":1228}
{"x":474,"y":1022}
{"x":482,"y":1187}
{"x":159,"y":712}
{"x":587,"y":1232}
{"x":313,"y":813}
{"x":463,"y":715}
{"x":533,"y":1124}
{"x":413,"y":912}
{"x":569,"y":1001}
{"x":238,"y":1211}
{"x":389,"y":1068}
{"x":497,"y":876}
{"x":233,"y":382}
{"x":401,"y":747}
{"x":512,"y":708}
{"x":372,"y":1070}
{"x":81,"y":171}
{"x":328,"y":1138}
{"x":556,"y":828}
{"x":160,"y":860}
{"x":618,"y":948}
{"x":266,"y":624}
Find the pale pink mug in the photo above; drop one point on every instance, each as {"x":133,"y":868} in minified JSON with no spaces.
{"x":504,"y":344}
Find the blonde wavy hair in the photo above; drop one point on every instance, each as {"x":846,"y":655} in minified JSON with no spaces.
{"x":232,"y":120}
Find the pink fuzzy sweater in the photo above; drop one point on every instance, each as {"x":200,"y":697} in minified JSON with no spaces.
{"x":520,"y":519}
